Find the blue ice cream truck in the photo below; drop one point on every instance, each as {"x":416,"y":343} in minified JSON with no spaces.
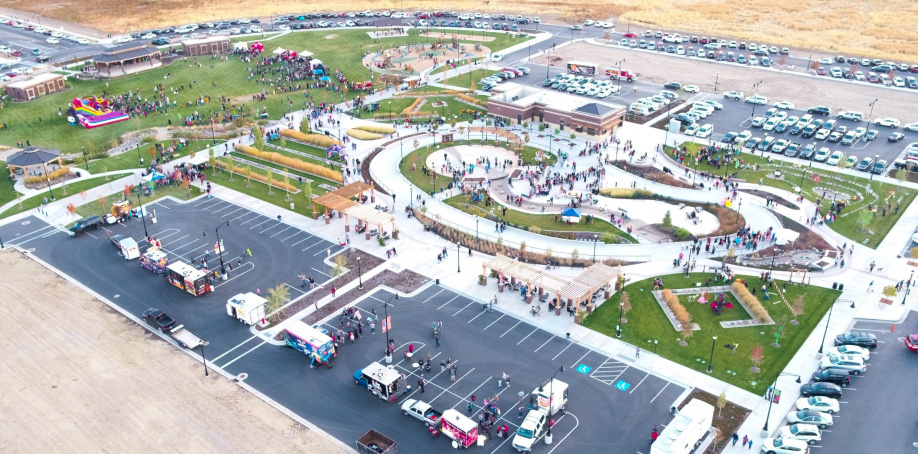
{"x":312,"y":341}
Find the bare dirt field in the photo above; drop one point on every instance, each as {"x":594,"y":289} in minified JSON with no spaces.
{"x":871,"y":28}
{"x":79,"y":377}
{"x":803,"y":90}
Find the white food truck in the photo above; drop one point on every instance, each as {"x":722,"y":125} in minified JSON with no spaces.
{"x":248,"y":308}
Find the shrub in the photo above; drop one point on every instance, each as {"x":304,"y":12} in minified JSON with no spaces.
{"x":410,"y":109}
{"x":292,"y":163}
{"x":751,"y":302}
{"x":678,"y":309}
{"x":318,"y":140}
{"x":385,"y":115}
{"x":379,"y":129}
{"x":363,"y":135}
{"x":682,"y":233}
{"x":470,"y":99}
{"x":36,"y":179}
{"x":627,"y":193}
{"x":257,"y":176}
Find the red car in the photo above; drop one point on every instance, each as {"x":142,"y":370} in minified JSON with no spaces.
{"x":911,"y":342}
{"x":630,"y":35}
{"x":821,"y":71}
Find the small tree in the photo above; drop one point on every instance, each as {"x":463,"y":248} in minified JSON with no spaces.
{"x":19,"y":199}
{"x":864,"y":216}
{"x":304,"y":125}
{"x":248,"y":176}
{"x":415,"y":143}
{"x":102,"y":203}
{"x":626,"y":305}
{"x":721,"y":403}
{"x":277,"y":298}
{"x":913,"y":252}
{"x":186,"y":184}
{"x":573,"y":136}
{"x":901,"y":175}
{"x":287,"y":185}
{"x":667,"y":221}
{"x":718,"y":437}
{"x":212,"y":160}
{"x":71,"y":208}
{"x":340,"y":266}
{"x":607,"y":36}
{"x":889,"y":290}
{"x":548,"y":252}
{"x":575,"y":254}
{"x":686,"y":329}
{"x":797,"y":306}
{"x":522,"y":248}
{"x":259,"y":137}
{"x":230,"y":167}
{"x":757,"y":356}
{"x":731,"y":253}
{"x":270,"y":182}
{"x":778,"y":328}
{"x":542,"y":127}
{"x":608,"y":238}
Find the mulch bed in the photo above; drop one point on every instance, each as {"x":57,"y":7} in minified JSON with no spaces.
{"x":653,"y":174}
{"x":729,"y":421}
{"x":367,"y":262}
{"x":405,"y":281}
{"x":779,"y":200}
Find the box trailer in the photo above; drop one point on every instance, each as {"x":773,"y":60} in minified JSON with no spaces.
{"x":551,"y":397}
{"x":248,"y":308}
{"x":374,"y":442}
{"x":686,"y":430}
{"x":188,"y":278}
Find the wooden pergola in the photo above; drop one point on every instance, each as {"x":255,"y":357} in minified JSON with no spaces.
{"x":370,"y":216}
{"x":355,"y":189}
{"x":332,"y":202}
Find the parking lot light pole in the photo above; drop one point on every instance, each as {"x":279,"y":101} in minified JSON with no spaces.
{"x":204,"y":358}
{"x":808,"y":61}
{"x":772,"y":400}
{"x":737,"y":210}
{"x":711,"y":359}
{"x":907,"y":287}
{"x":870,"y":115}
{"x":457,"y":258}
{"x":875,"y":159}
{"x":142,"y":217}
{"x":755,"y":99}
{"x":716,"y":79}
{"x":359,"y":275}
{"x":595,"y":240}
{"x":621,"y":313}
{"x":85,"y":159}
{"x":220,"y":247}
{"x":551,"y":385}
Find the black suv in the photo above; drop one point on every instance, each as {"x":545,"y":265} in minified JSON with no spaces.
{"x":837,"y":376}
{"x":859,"y":338}
{"x":90,"y":223}
{"x":820,"y":110}
{"x":159,"y":319}
{"x":821,"y":389}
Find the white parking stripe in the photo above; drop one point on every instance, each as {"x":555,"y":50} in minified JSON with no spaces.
{"x":298,"y":242}
{"x":444,"y":304}
{"x":282,"y":231}
{"x":460,"y":310}
{"x":230,"y":350}
{"x":240,"y":356}
{"x":546,"y":342}
{"x":231,"y":212}
{"x":639,"y":383}
{"x":562,"y":351}
{"x":495,"y":321}
{"x":581,"y":359}
{"x":291,"y":236}
{"x":661,"y":392}
{"x":511,"y":328}
{"x":527,"y":336}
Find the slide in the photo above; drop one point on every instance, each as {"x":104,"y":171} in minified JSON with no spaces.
{"x":93,"y":112}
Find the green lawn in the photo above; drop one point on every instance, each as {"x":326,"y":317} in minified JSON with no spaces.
{"x":129,"y":159}
{"x":75,"y":188}
{"x":443,"y":68}
{"x":259,"y":190}
{"x":7,"y":193}
{"x":647,"y":323}
{"x":93,"y":207}
{"x":878,"y":226}
{"x":465,"y":80}
{"x":230,"y":77}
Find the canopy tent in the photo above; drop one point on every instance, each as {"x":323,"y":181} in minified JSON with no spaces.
{"x":153,"y":177}
{"x":785,"y":236}
{"x":370,"y":216}
{"x":279,"y":51}
{"x":318,"y":71}
{"x":306,"y":54}
{"x":324,"y":78}
{"x":241,"y":45}
{"x":334,"y":149}
{"x":570,"y":215}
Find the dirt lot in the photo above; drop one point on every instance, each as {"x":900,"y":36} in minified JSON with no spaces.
{"x":800,"y":89}
{"x":79,"y":377}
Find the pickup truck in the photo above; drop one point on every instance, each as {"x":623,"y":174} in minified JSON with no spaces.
{"x":161,"y":321}
{"x":422,"y":411}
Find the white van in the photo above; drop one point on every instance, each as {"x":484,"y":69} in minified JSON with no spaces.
{"x":128,"y":248}
{"x":851,"y":115}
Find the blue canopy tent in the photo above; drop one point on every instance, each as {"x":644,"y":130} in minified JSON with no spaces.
{"x":334,"y":149}
{"x":570,"y":215}
{"x":318,"y":71}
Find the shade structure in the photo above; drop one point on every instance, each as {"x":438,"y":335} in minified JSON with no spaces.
{"x":352,"y":189}
{"x":334,"y":202}
{"x":369,"y":215}
{"x":596,"y":276}
{"x":32,"y":156}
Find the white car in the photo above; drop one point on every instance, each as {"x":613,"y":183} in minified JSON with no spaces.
{"x":735,"y":95}
{"x":912,"y":127}
{"x":823,"y":420}
{"x":818,"y":403}
{"x":784,"y":105}
{"x":82,"y":40}
{"x":780,"y":145}
{"x":690,"y":89}
{"x":898,"y":81}
{"x":853,"y":364}
{"x":4,"y":78}
{"x":22,"y":70}
{"x":851,"y":350}
{"x":807,"y":433}
{"x":57,"y":34}
{"x":691,"y":130}
{"x":52,"y":41}
{"x":784,"y":446}
{"x":705,"y":131}
{"x":825,"y":61}
{"x":716,"y":105}
{"x":148,"y":36}
{"x":743,"y":137}
{"x":756,"y":99}
{"x":255,"y":29}
{"x":286,"y":28}
{"x":496,"y":57}
{"x":888,"y":122}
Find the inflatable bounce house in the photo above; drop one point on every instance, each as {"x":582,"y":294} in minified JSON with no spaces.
{"x":93,"y":112}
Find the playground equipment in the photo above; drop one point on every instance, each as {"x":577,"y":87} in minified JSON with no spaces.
{"x":93,"y":112}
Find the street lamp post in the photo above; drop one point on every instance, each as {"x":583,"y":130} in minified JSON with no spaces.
{"x":476,"y":226}
{"x":595,"y":240}
{"x":808,"y":61}
{"x":621,"y":314}
{"x":772,"y":400}
{"x":85,"y":159}
{"x":875,"y":159}
{"x":139,"y":159}
{"x":48,"y":179}
{"x":220,"y":247}
{"x":213,"y":135}
{"x":737,"y":210}
{"x":143,"y":217}
{"x":907,"y":287}
{"x":551,"y":384}
{"x":716,"y":79}
{"x":828,"y":319}
{"x":870,"y":115}
{"x":204,"y":358}
{"x":755,"y":98}
{"x":711,"y":359}
{"x":359,"y":275}
{"x":457,"y":258}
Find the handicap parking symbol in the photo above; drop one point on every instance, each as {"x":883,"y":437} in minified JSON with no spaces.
{"x":584,"y":369}
{"x":622,"y":385}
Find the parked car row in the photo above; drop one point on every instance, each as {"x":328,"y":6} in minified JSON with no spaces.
{"x":582,"y":85}
{"x":818,"y":402}
{"x":55,"y":35}
{"x":507,"y":73}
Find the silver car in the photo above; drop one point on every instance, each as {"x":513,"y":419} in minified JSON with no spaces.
{"x":853,"y":364}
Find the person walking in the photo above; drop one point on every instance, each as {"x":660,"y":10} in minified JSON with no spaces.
{"x":333,"y":291}
{"x":872,"y":265}
{"x":735,"y":438}
{"x":745,"y":439}
{"x":372,"y":328}
{"x":421,"y":383}
{"x":637,"y":353}
{"x":521,"y":413}
{"x":437,"y":338}
{"x":469,"y":408}
{"x":452,"y":375}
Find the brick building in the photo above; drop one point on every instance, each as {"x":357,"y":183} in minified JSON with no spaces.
{"x":35,"y":86}
{"x":212,"y":45}
{"x":522,"y":103}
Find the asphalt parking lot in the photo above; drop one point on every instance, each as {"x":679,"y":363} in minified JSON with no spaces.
{"x":483,"y":344}
{"x":612,"y":405}
{"x":866,"y":405}
{"x":279,"y":253}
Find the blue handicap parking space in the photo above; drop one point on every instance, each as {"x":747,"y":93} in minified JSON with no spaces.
{"x":622,"y":385}
{"x":584,"y":369}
